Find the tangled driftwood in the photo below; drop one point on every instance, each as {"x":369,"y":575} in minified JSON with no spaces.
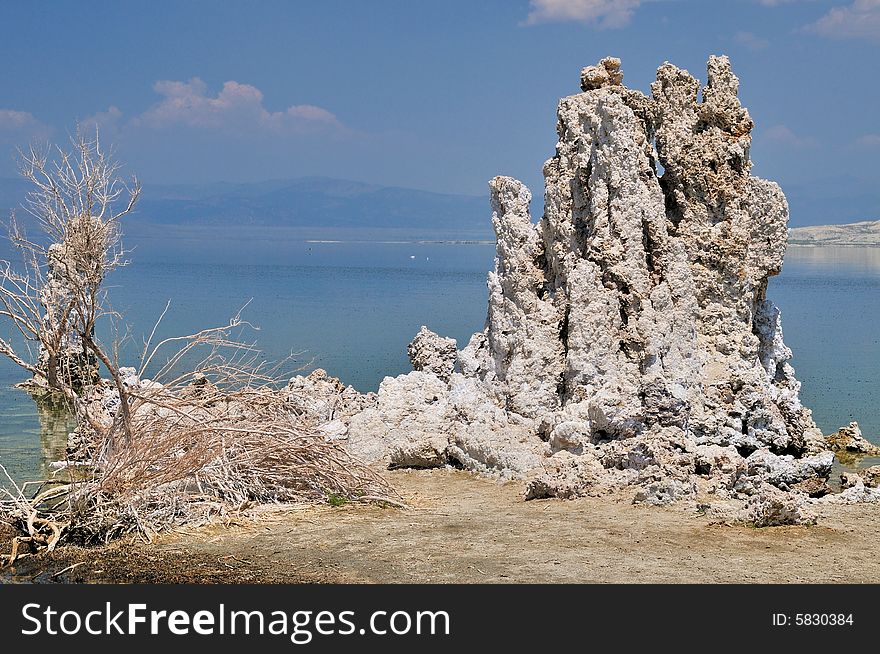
{"x":213,"y":442}
{"x":191,"y":460}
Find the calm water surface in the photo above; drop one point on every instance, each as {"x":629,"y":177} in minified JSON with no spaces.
{"x":351,"y":308}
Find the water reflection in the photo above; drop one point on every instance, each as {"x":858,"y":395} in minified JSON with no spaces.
{"x":32,"y":435}
{"x":855,"y":260}
{"x":55,"y":424}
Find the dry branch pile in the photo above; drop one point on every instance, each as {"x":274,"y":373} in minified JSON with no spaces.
{"x":198,"y":452}
{"x":208,"y":443}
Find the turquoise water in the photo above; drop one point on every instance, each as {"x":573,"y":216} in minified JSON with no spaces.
{"x":830,"y":302}
{"x":351,"y":308}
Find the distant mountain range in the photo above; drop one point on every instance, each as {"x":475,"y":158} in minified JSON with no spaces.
{"x":313,"y":203}
{"x":866,"y":233}
{"x":320,"y":207}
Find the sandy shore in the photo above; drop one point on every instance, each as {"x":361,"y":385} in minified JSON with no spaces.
{"x":468,"y":529}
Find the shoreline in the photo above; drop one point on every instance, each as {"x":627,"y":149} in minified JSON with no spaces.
{"x":466,"y":528}
{"x":807,"y":244}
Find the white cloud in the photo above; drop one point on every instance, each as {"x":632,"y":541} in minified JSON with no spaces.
{"x":237,"y":108}
{"x":869,"y":141}
{"x":751,"y":41}
{"x":18,"y":128}
{"x":14,"y":120}
{"x":860,"y":20}
{"x":602,"y":13}
{"x":776,"y":3}
{"x":784,"y":135}
{"x":108,"y":122}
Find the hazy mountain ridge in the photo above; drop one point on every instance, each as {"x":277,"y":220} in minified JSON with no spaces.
{"x":311,"y":202}
{"x":321,"y":207}
{"x":865,"y":233}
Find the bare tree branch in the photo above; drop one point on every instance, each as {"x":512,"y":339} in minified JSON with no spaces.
{"x":78,"y":200}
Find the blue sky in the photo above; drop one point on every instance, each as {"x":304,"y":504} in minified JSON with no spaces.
{"x":433,"y":95}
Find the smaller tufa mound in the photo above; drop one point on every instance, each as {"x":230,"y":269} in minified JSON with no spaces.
{"x":321,"y":400}
{"x":871,"y":476}
{"x":430,"y":352}
{"x":848,"y":442}
{"x":421,"y":421}
{"x":773,"y":508}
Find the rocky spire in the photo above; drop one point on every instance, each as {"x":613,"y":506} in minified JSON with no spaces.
{"x":640,"y":300}
{"x":629,"y":340}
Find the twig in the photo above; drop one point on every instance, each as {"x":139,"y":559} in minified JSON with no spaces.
{"x":383,"y":500}
{"x":67,"y":569}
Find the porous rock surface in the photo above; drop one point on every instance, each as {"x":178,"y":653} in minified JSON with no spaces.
{"x":629,"y":340}
{"x":431,"y":352}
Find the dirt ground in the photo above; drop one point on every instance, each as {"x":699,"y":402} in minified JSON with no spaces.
{"x":467,"y":529}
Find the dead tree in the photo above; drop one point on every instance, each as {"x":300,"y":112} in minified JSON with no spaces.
{"x":55,"y":300}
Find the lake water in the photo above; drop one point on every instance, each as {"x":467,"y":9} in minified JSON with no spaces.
{"x":351,"y":308}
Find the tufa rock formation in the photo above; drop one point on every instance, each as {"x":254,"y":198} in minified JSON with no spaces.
{"x":849,"y":443}
{"x":71,"y":361}
{"x":637,"y":300}
{"x":629,"y":341}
